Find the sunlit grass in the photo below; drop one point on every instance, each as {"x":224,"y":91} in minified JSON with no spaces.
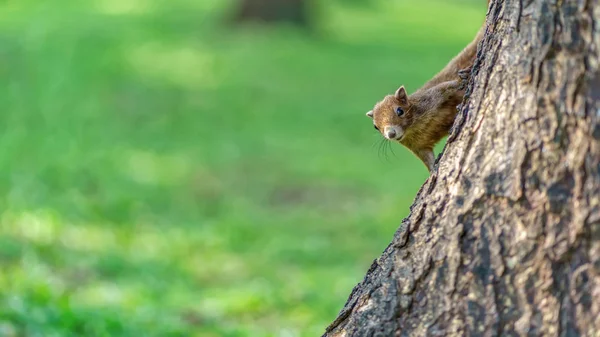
{"x":411,"y":24}
{"x":184,"y":66}
{"x":125,"y":7}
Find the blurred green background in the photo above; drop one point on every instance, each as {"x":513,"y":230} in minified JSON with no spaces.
{"x":164,"y":173}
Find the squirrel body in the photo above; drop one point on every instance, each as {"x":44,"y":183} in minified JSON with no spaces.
{"x":420,"y":120}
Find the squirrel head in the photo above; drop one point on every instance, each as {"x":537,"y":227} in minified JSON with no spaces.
{"x":392,"y":116}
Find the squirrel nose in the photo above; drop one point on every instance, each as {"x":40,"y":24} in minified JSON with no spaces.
{"x":391,"y":134}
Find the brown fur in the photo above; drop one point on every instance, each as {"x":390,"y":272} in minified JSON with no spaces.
{"x":430,"y":111}
{"x":429,"y":114}
{"x":461,"y":61}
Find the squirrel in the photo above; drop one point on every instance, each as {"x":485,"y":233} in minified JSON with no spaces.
{"x":420,"y":120}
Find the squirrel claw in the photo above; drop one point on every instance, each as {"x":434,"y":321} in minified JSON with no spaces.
{"x":464,"y":75}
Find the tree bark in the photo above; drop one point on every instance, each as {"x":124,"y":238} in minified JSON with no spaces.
{"x":270,"y":11}
{"x":503,"y":239}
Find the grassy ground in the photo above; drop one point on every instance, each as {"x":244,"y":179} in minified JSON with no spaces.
{"x":163,"y":176}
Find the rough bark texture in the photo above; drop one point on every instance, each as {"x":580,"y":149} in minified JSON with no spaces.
{"x":268,"y":11}
{"x":504,"y":238}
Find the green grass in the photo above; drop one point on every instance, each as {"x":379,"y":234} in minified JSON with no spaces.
{"x":162,"y":175}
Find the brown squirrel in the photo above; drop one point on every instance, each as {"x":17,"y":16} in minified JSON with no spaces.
{"x":422,"y":119}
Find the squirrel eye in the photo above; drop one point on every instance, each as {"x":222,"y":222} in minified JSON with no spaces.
{"x":375,"y":126}
{"x":399,"y":111}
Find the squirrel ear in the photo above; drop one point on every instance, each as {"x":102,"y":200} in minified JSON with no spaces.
{"x":370,"y":114}
{"x":401,"y":95}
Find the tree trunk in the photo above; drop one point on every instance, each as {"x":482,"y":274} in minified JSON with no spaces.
{"x":270,"y":11}
{"x":504,"y":238}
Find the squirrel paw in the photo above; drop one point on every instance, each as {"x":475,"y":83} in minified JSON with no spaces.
{"x":464,"y":75}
